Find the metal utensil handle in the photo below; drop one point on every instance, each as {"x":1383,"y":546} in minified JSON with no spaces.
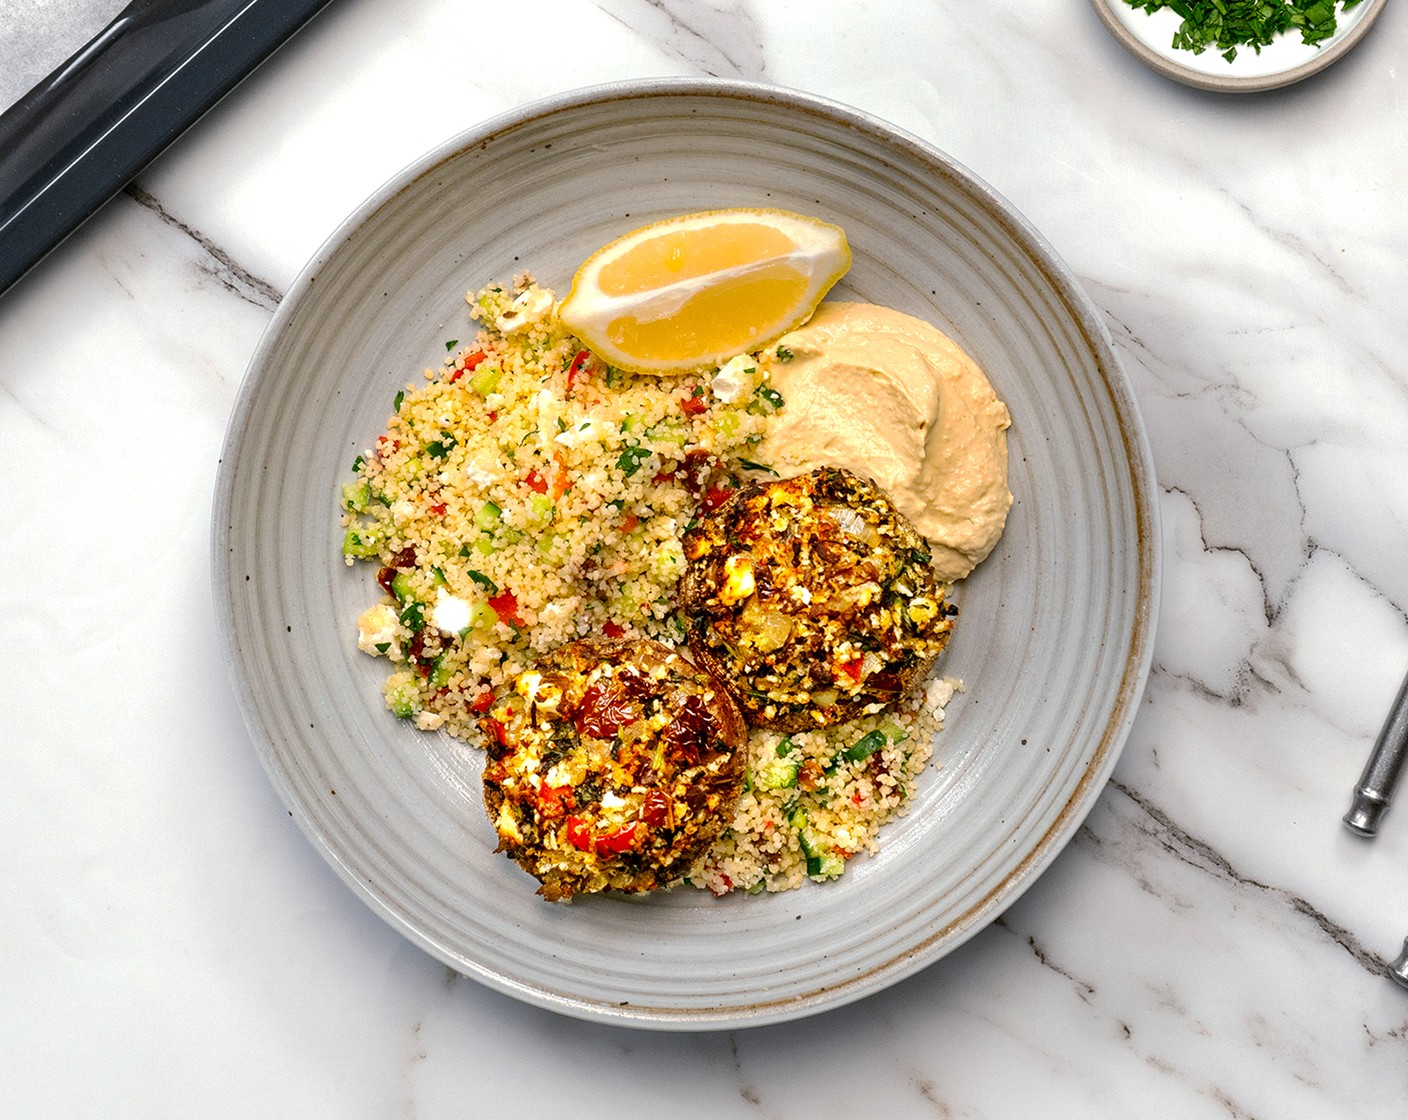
{"x":1375,"y":790}
{"x":81,"y":134}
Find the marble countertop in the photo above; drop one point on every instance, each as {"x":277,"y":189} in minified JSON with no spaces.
{"x":1211,"y":944}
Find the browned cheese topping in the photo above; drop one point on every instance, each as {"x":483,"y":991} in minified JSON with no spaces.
{"x":813,"y":597}
{"x":612,"y":766}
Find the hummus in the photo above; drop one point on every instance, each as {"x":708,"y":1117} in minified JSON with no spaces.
{"x":893,"y":398}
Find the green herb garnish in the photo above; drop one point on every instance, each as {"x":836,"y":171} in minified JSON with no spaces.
{"x":1229,"y":24}
{"x":400,"y":397}
{"x":748,"y":464}
{"x":483,"y":581}
{"x":631,"y":459}
{"x":771,"y":395}
{"x":451,"y":344}
{"x":864,"y":747}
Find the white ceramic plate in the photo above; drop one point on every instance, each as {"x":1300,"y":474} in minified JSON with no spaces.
{"x":1056,"y":627}
{"x":1149,"y":37}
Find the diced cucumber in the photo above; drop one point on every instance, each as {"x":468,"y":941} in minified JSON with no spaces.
{"x":440,"y":672}
{"x":482,"y":616}
{"x":401,"y":587}
{"x":401,"y":695}
{"x":781,"y":774}
{"x":485,"y":380}
{"x":893,"y":731}
{"x":541,"y":508}
{"x":487,"y":516}
{"x":864,"y":747}
{"x":726,"y":424}
{"x":361,"y":542}
{"x":356,"y":496}
{"x":777,"y":773}
{"x":822,"y":863}
{"x":668,"y":430}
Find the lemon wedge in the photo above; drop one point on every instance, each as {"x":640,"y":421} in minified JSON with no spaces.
{"x":695,"y":290}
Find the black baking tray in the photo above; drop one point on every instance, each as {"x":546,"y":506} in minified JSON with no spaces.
{"x":82,"y":133}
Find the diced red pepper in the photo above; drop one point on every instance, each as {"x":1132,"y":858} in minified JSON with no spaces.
{"x":695,"y":405}
{"x":499,"y":731}
{"x":561,"y":479}
{"x":553,"y":801}
{"x":536,"y":482}
{"x":470,"y":362}
{"x":613,"y":630}
{"x":852,"y":669}
{"x":438,"y":509}
{"x":629,"y":523}
{"x":619,"y":839}
{"x":577,"y":371}
{"x":656,"y":809}
{"x":505,"y":605}
{"x":483,"y":702}
{"x":579,"y":834}
{"x":715,"y":496}
{"x":493,"y":416}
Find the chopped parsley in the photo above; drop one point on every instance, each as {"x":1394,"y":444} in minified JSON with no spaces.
{"x":413,"y":617}
{"x":451,"y":344}
{"x":771,"y":395}
{"x":483,"y":581}
{"x":1229,"y":24}
{"x":400,"y":398}
{"x":784,"y":354}
{"x":631,"y":459}
{"x":748,"y":464}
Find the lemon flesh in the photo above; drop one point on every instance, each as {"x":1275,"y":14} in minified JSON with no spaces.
{"x":698,"y":289}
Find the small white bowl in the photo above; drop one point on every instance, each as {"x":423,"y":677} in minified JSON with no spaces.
{"x":1149,"y":37}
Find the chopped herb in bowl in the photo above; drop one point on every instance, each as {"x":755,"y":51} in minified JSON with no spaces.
{"x":1229,"y":24}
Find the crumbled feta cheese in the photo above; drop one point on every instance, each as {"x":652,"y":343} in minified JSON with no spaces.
{"x":403,"y":509}
{"x":559,"y":775}
{"x":558,"y":610}
{"x":549,"y":410}
{"x":481,"y":472}
{"x":610,"y":801}
{"x":450,"y":615}
{"x":584,"y":431}
{"x":526,"y":310}
{"x":736,"y":379}
{"x":939,"y":692}
{"x":429,"y":721}
{"x":376,"y":628}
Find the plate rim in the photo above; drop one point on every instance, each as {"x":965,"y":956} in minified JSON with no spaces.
{"x":1138,"y":463}
{"x":1169,"y":66}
